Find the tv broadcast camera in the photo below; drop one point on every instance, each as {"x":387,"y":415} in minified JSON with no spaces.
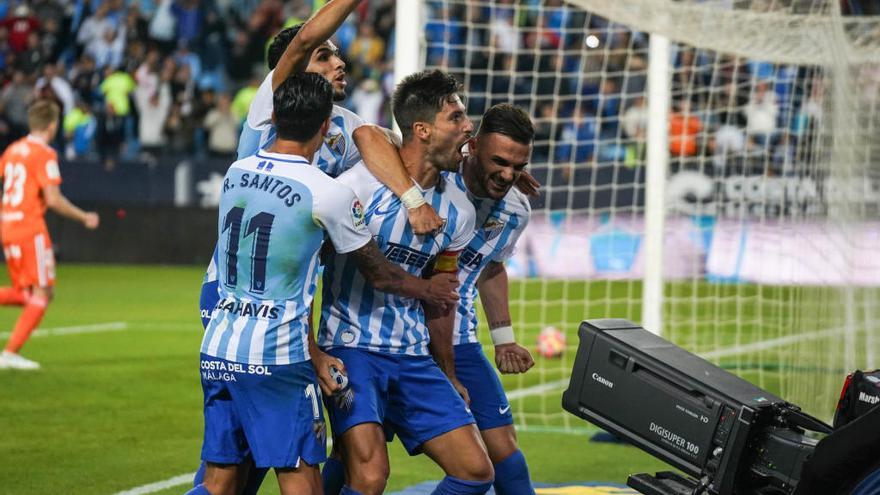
{"x":729,"y":435}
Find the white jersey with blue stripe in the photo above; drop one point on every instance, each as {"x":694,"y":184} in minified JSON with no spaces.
{"x":274,"y":212}
{"x":338,"y":153}
{"x":353,"y":314}
{"x":499,"y":225}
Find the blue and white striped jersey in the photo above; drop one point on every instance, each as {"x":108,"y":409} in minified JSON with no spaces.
{"x":274,"y":212}
{"x":499,"y":225}
{"x":339,"y":152}
{"x":337,"y":155}
{"x":353,"y":314}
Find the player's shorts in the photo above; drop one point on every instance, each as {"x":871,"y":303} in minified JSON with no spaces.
{"x":408,"y":395}
{"x":272,"y":413}
{"x":31,"y":261}
{"x":488,"y":400}
{"x":208,"y":300}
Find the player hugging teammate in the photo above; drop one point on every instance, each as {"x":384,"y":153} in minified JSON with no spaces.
{"x":390,"y":313}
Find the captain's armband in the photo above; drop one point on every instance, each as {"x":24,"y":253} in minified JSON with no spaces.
{"x":447,"y":262}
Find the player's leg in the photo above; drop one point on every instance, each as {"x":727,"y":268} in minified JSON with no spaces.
{"x":333,"y":473}
{"x":37,"y":271}
{"x":15,"y":295}
{"x":359,"y":436}
{"x":221,"y":479}
{"x":492,"y":413}
{"x":511,"y":470}
{"x":304,"y":480}
{"x":366,"y":459}
{"x":250,"y":485}
{"x":429,"y":416}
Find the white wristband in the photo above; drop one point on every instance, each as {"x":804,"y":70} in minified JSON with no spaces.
{"x":412,"y":198}
{"x":502,"y":335}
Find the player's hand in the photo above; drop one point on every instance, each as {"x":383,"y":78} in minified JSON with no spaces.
{"x":462,"y":391}
{"x":91,"y":220}
{"x":424,"y":220}
{"x":322,"y":363}
{"x":528,"y":185}
{"x":513,"y":358}
{"x":441,"y":291}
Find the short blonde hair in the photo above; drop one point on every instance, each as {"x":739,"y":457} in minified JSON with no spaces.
{"x":41,"y":114}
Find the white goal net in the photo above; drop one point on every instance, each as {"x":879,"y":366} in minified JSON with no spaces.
{"x":771,"y":232}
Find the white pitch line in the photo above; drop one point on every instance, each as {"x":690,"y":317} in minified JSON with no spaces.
{"x":521,"y":393}
{"x":112,"y":326}
{"x":159,"y":485}
{"x":768,"y":344}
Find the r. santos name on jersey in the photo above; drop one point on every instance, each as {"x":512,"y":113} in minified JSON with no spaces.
{"x":267,"y":184}
{"x":499,"y":225}
{"x":356,"y":315}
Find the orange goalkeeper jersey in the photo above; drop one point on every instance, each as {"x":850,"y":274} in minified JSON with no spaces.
{"x":27,"y":166}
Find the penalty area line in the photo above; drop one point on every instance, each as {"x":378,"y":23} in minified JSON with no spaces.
{"x":113,"y":326}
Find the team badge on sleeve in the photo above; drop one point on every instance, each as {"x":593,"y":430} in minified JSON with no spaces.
{"x":357,"y":213}
{"x":52,"y":171}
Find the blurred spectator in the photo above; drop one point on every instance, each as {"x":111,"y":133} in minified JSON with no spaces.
{"x":189,"y":17}
{"x":577,"y":140}
{"x":85,"y":79}
{"x":31,"y":59}
{"x":154,"y":105}
{"x":635,"y":119}
{"x":683,"y":130}
{"x":7,"y":56}
{"x":52,"y":85}
{"x":728,"y":141}
{"x":366,"y":52}
{"x":761,"y":112}
{"x":368,"y":100}
{"x":14,"y":101}
{"x":94,"y":26}
{"x":244,"y":97}
{"x":20,"y":25}
{"x":79,"y":127}
{"x":222,"y":126}
{"x":163,"y":27}
{"x":107,"y":50}
{"x":116,"y":88}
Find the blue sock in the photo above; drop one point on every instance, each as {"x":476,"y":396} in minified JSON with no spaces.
{"x":333,"y":475}
{"x":455,"y":486}
{"x":200,"y":475}
{"x":346,"y":490}
{"x":512,"y":476}
{"x":254,"y":480}
{"x":198,"y":490}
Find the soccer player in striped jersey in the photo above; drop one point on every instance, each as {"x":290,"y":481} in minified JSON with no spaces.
{"x":382,"y":338}
{"x":31,"y":182}
{"x":262,"y":399}
{"x":306,"y":47}
{"x":498,"y":156}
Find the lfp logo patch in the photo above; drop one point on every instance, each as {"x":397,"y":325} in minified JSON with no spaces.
{"x":357,"y":213}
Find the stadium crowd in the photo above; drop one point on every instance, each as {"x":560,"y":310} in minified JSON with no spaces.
{"x":136,"y":79}
{"x":139,"y":78}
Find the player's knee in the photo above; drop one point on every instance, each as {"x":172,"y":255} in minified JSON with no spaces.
{"x":480,"y":470}
{"x":371,"y":480}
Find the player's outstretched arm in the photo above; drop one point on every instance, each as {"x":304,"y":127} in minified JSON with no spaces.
{"x":313,"y":33}
{"x":510,"y":357}
{"x":58,"y":203}
{"x":381,"y":157}
{"x":388,"y":277}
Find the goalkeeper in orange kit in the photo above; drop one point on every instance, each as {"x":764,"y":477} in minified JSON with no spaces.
{"x":31,"y":179}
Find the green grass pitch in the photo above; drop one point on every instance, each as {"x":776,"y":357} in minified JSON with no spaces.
{"x":120,"y":408}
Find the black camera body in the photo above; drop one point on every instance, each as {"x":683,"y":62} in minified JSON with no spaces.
{"x":732,"y":436}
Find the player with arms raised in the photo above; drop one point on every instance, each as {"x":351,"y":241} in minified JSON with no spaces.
{"x":29,"y":168}
{"x":262,"y":399}
{"x":382,"y":338}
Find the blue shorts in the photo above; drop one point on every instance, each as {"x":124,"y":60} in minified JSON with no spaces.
{"x":208,"y":299}
{"x":488,"y":400}
{"x":409,"y":395}
{"x":272,"y":413}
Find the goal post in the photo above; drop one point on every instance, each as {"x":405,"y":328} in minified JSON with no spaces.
{"x":727,"y":197}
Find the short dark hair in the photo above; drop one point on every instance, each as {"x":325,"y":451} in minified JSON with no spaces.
{"x":301,"y":105}
{"x":420,"y":97}
{"x":279,"y":44}
{"x":509,"y":120}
